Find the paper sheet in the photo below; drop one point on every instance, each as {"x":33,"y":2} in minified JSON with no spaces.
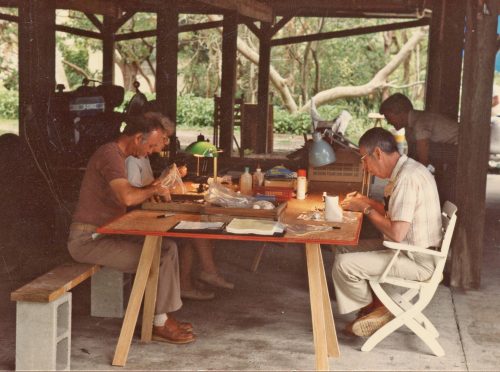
{"x":194,"y":225}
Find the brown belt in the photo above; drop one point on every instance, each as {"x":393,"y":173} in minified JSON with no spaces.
{"x":86,"y":227}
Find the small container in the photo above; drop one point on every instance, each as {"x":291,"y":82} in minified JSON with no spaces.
{"x":301,"y":184}
{"x":333,"y":211}
{"x":257,"y":178}
{"x":246,"y":182}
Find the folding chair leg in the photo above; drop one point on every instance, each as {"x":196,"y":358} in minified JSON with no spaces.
{"x":426,"y":336}
{"x":382,"y":333}
{"x":426,"y":323}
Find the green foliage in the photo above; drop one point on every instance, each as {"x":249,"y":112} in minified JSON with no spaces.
{"x":284,"y":122}
{"x":195,"y":111}
{"x":11,"y":80}
{"x":9,"y":104}
{"x":78,"y":57}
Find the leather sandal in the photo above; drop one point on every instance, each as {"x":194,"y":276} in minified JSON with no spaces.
{"x":369,"y":324}
{"x":185,"y":326}
{"x":172,"y":334}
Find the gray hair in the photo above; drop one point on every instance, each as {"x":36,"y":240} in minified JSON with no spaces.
{"x":140,"y":124}
{"x":165,"y":121}
{"x":378,"y":137}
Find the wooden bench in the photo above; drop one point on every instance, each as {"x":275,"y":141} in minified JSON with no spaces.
{"x":43,"y":312}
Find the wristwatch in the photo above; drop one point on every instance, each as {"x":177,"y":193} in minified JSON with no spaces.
{"x":367,"y":210}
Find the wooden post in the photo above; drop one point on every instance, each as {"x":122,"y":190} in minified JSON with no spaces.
{"x":37,"y":43}
{"x":167,"y":41}
{"x":228,"y":82}
{"x":263,"y":89}
{"x":108,"y":50}
{"x":445,"y":57}
{"x":479,"y":59}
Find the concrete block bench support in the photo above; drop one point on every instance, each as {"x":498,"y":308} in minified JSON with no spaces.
{"x":107,"y":295}
{"x":43,"y":317}
{"x":43,"y":335}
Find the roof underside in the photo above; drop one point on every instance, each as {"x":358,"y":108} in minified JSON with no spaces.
{"x":260,"y":10}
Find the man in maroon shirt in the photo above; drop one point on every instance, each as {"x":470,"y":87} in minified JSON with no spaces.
{"x":105,"y":194}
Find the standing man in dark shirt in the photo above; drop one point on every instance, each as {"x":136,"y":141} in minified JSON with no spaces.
{"x":105,"y":194}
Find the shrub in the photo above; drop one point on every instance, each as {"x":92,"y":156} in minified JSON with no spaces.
{"x":195,"y":111}
{"x":9,"y":104}
{"x":198,"y":112}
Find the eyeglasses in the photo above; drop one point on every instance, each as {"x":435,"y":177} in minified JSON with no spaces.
{"x":365,"y":155}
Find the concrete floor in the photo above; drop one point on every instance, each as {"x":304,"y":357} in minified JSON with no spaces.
{"x":265,"y":324}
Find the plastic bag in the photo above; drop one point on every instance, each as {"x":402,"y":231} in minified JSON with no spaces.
{"x":219,"y":195}
{"x":171,"y":179}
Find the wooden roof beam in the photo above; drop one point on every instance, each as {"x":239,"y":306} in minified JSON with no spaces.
{"x":9,"y":17}
{"x":9,"y":3}
{"x":249,"y":8}
{"x":105,"y":7}
{"x":352,"y":32}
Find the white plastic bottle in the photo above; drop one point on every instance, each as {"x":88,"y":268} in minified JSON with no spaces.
{"x":257,"y":178}
{"x":246,"y":182}
{"x":301,"y":184}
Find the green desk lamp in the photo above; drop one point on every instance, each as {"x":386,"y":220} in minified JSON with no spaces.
{"x":203,"y":149}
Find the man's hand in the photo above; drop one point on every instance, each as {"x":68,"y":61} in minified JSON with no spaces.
{"x":356,"y":202}
{"x":161,"y":194}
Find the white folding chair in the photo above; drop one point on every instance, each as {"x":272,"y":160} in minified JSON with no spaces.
{"x":407,"y":307}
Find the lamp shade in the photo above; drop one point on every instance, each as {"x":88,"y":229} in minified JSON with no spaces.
{"x":320,"y":152}
{"x":202,"y":148}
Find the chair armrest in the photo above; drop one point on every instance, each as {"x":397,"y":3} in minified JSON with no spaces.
{"x":411,"y":248}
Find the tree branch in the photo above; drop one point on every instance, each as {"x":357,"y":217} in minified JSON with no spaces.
{"x":78,"y":69}
{"x":377,"y":82}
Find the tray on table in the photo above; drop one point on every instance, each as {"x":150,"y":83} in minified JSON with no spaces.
{"x":215,"y":210}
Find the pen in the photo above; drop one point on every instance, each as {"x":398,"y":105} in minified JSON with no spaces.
{"x":165,"y":215}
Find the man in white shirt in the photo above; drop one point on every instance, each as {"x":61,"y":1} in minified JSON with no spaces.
{"x":411,"y":215}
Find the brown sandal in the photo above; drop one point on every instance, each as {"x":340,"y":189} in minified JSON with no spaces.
{"x":172,"y":333}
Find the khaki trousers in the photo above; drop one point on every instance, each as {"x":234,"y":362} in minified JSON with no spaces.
{"x":352,"y":271}
{"x":122,"y":253}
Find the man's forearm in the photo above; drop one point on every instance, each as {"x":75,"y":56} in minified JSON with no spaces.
{"x":378,"y":206}
{"x":394,"y":230}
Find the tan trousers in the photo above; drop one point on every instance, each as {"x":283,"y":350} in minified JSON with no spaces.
{"x":352,"y":271}
{"x":122,"y":252}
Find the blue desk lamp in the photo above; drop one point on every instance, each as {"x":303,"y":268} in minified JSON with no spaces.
{"x":320,"y":152}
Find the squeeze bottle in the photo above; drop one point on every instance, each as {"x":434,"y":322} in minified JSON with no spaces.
{"x":246,"y":182}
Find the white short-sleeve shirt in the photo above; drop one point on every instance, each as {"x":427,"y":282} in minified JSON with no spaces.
{"x":413,"y":198}
{"x":139,"y":172}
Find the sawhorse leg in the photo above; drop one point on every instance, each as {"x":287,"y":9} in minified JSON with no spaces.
{"x":325,"y":336}
{"x":146,"y":280}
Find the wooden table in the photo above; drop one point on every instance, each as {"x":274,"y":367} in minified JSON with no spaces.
{"x":146,"y":223}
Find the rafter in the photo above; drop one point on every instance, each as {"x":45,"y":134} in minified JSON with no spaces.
{"x":249,"y":8}
{"x":353,"y":32}
{"x":110,"y":8}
